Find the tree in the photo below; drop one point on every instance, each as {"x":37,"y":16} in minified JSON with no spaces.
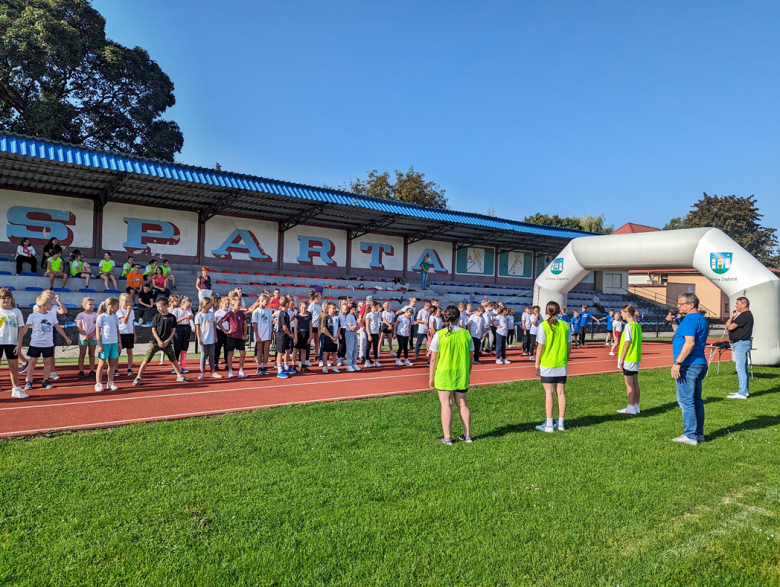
{"x":673,"y":224}
{"x":409,"y":187}
{"x":597,"y":224}
{"x":61,"y":79}
{"x":739,"y":218}
{"x":491,"y":212}
{"x":564,"y":222}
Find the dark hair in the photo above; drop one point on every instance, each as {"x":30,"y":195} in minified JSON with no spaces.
{"x":159,"y":271}
{"x":552,"y":310}
{"x":745,"y":300}
{"x":161,"y":301}
{"x":451,"y":315}
{"x":629,"y":309}
{"x":165,"y":261}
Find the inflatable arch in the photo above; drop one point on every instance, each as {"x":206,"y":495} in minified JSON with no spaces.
{"x":708,"y":250}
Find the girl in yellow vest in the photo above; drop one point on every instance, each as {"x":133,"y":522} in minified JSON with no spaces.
{"x":79,"y":268}
{"x":55,"y":267}
{"x":452,"y":354}
{"x":553,"y":347}
{"x":106,"y":268}
{"x":629,"y":357}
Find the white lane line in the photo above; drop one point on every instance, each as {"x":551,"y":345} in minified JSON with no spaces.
{"x":258,"y":407}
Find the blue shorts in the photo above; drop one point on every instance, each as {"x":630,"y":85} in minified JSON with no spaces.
{"x":110,"y":351}
{"x":87,"y":342}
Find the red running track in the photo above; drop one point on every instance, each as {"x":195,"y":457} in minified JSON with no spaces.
{"x":74,"y":404}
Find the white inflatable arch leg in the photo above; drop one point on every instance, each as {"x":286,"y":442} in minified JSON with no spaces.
{"x":708,"y":250}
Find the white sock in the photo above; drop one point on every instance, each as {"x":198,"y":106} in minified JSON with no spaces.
{"x":286,"y":366}
{"x":279,"y":368}
{"x":549,"y":421}
{"x":635,"y":406}
{"x":560,"y":421}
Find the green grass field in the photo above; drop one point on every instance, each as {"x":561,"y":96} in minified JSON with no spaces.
{"x":359,"y":493}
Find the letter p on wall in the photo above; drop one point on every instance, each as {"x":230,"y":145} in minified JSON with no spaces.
{"x":142,"y":232}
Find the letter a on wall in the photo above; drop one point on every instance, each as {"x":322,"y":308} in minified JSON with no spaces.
{"x":242,"y":242}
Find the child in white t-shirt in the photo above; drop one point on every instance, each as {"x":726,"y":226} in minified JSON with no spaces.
{"x":205,"y":333}
{"x":85,"y":323}
{"x":108,"y":342}
{"x":11,"y":332}
{"x":126,"y":316}
{"x":386,"y":327}
{"x":42,"y":323}
{"x":263,"y":326}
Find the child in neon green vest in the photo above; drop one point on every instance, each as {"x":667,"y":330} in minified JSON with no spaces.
{"x":106,"y":268}
{"x":553,"y":347}
{"x":629,"y":357}
{"x":452,"y":354}
{"x":78,"y":268}
{"x":168,"y":272}
{"x":55,"y":267}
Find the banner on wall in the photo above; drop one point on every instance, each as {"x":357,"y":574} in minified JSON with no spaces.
{"x":475,"y":261}
{"x":40,"y":217}
{"x":378,"y":252}
{"x":141,"y":230}
{"x":439,"y":256}
{"x":241,"y":239}
{"x":517,"y":264}
{"x":315,"y":246}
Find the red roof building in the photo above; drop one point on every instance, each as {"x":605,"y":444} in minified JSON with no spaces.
{"x":631,"y":228}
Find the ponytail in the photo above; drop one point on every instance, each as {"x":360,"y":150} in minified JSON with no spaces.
{"x":552,"y":311}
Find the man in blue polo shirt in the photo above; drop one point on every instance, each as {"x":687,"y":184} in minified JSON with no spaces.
{"x":584,"y":317}
{"x":690,"y":367}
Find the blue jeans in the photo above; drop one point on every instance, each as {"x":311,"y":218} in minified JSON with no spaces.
{"x":500,"y":347}
{"x":689,"y":398}
{"x":740,"y":351}
{"x":352,"y":339}
{"x":424,"y":275}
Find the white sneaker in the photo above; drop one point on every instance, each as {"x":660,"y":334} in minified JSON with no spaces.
{"x":377,"y":364}
{"x":408,"y":363}
{"x":241,"y":374}
{"x":545,"y":428}
{"x":507,"y":362}
{"x":202,"y":375}
{"x":324,"y":369}
{"x":399,"y":362}
{"x":499,"y":362}
{"x":98,"y":387}
{"x":736,"y":396}
{"x":559,"y":426}
{"x":53,"y":376}
{"x":356,"y":368}
{"x":606,"y":344}
{"x":611,"y":354}
{"x":230,"y":375}
{"x":18,"y":393}
{"x":393,"y":354}
{"x":335,"y":369}
{"x":113,"y":386}
{"x":330,"y":364}
{"x":161,"y":362}
{"x":340,"y":363}
{"x":350,"y":369}
{"x":367,"y":364}
{"x":628,"y":410}
{"x":308,"y":363}
{"x":685,"y":440}
{"x":322,"y":364}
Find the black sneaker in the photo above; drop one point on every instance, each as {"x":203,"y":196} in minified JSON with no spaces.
{"x":91,"y":374}
{"x":465,"y":438}
{"x":259,"y":371}
{"x":116,"y":372}
{"x":305,"y":368}
{"x":444,"y":440}
{"x":129,"y":373}
{"x":477,"y":362}
{"x":80,"y":375}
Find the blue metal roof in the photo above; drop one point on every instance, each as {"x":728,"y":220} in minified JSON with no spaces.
{"x":79,"y":156}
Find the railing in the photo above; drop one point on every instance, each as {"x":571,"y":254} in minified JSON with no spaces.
{"x":664,"y":301}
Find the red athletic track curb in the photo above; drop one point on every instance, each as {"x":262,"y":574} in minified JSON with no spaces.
{"x":74,"y":405}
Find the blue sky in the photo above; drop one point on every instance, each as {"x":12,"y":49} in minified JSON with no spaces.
{"x":631,"y":109}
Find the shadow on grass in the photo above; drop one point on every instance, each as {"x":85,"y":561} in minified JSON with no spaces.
{"x":593,"y":420}
{"x":765,"y":392}
{"x":753,"y":424}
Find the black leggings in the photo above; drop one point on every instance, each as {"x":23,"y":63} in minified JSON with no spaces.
{"x":403,"y":346}
{"x":220,"y":344}
{"x":181,"y":339}
{"x":342,"y":352}
{"x":373,"y":345}
{"x":20,"y":261}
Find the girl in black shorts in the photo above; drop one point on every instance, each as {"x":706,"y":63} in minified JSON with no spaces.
{"x":283,"y":338}
{"x":302,"y":333}
{"x":329,"y":335}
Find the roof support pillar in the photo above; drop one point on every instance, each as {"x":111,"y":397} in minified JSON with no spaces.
{"x":373,"y":226}
{"x":293,"y":221}
{"x":208,"y":212}
{"x":110,"y":190}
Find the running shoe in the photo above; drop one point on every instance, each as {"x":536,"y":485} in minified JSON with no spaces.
{"x":80,"y":375}
{"x":28,"y":385}
{"x":113,"y":386}
{"x":393,"y":354}
{"x":736,"y":396}
{"x":499,"y":362}
{"x":182,"y":379}
{"x":282,"y":375}
{"x":23,"y":368}
{"x":531,"y":358}
{"x":136,"y":382}
{"x":202,"y":375}
{"x":558,"y":426}
{"x":507,"y":362}
{"x":356,"y":368}
{"x":367,"y":364}
{"x":628,"y":410}
{"x":611,"y":354}
{"x":399,"y":362}
{"x":129,"y":373}
{"x":98,"y":387}
{"x":47,"y":385}
{"x":322,"y":364}
{"x":241,"y":374}
{"x":18,"y":393}
{"x":230,"y":375}
{"x":545,"y":428}
{"x":350,"y":369}
{"x":699,"y":438}
{"x":259,"y":371}
{"x":447,"y":441}
{"x":215,"y":375}
{"x":54,"y":377}
{"x":685,"y":440}
{"x":185,"y":370}
{"x":335,"y":369}
{"x":377,"y":364}
{"x":116,"y":372}
{"x":464,"y":438}
{"x":291,"y":371}
{"x":408,"y":363}
{"x":308,"y":363}
{"x":325,"y":370}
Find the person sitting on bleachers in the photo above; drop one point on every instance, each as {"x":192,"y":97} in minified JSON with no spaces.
{"x":146,"y":307}
{"x":48,"y":251}
{"x":106,"y":267}
{"x":25,"y":253}
{"x":168,"y":272}
{"x":150,"y":270}
{"x":134,"y":280}
{"x":79,"y":268}
{"x":55,"y":267}
{"x":160,"y":284}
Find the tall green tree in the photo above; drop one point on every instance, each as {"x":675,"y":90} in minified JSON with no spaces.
{"x":562,"y":221}
{"x":739,"y":218}
{"x":62,"y":79}
{"x":597,"y":224}
{"x":408,"y":187}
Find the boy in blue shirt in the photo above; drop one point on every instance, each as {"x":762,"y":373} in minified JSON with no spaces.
{"x":609,"y":318}
{"x":584,"y":317}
